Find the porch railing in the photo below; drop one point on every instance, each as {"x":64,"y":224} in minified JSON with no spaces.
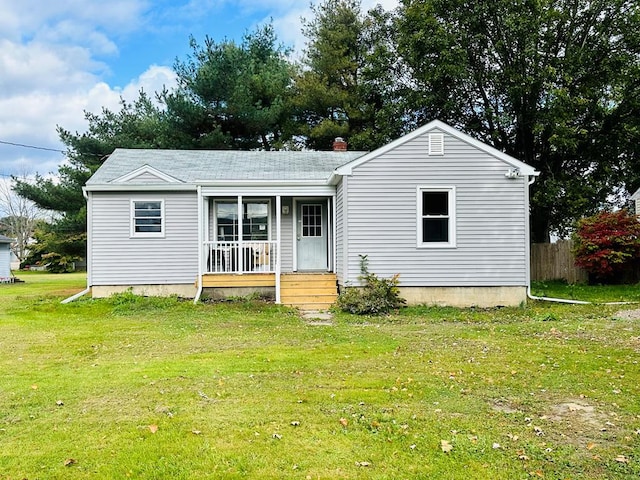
{"x":240,"y":257}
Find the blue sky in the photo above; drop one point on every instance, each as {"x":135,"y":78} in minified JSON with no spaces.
{"x":60,"y":58}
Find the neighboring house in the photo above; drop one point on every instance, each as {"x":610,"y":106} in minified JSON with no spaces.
{"x":636,"y":198}
{"x":445,"y":211}
{"x":5,"y":259}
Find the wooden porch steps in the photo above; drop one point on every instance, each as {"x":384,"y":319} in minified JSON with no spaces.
{"x":308,"y":291}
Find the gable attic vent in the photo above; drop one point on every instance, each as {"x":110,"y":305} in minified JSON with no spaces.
{"x":436,"y":144}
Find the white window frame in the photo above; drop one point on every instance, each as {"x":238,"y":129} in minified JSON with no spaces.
{"x":436,"y":144}
{"x":451,"y":193}
{"x":163,"y":219}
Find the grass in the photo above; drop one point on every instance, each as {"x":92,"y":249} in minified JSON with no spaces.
{"x":133,"y":387}
{"x":597,"y":294}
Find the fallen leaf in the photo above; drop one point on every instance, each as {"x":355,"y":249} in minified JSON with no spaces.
{"x":60,"y":403}
{"x":363,"y":464}
{"x":344,"y":422}
{"x":496,"y":446}
{"x":622,"y":459}
{"x":70,"y":461}
{"x":34,"y":387}
{"x":277,"y":436}
{"x":196,"y":432}
{"x":153,"y":428}
{"x":591,"y":446}
{"x":295,"y":423}
{"x":446,"y":446}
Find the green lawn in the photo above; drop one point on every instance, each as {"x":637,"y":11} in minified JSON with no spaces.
{"x":161,"y":388}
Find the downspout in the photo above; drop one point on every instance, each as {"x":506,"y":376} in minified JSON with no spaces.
{"x":88,"y":289}
{"x":76,"y":296}
{"x":196,"y":299}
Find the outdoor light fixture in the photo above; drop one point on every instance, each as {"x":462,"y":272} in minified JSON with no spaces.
{"x":512,"y":173}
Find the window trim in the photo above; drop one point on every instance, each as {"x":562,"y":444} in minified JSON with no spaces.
{"x":451,"y":194}
{"x":132,"y":213}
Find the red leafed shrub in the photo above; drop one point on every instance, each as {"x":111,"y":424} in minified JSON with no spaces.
{"x":607,"y":245}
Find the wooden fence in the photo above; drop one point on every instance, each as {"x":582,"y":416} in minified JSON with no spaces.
{"x":552,"y":261}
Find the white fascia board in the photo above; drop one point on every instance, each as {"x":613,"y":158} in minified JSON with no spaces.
{"x":140,"y":188}
{"x":636,"y":195}
{"x":525,"y":169}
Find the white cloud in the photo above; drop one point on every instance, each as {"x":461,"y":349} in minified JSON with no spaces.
{"x":53,"y":58}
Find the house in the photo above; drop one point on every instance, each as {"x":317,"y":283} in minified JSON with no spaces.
{"x":5,"y":259}
{"x":445,"y":211}
{"x":636,"y":199}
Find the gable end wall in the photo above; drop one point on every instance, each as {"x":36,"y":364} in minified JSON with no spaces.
{"x":490,"y":218}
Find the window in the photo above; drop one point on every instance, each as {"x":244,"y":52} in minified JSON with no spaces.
{"x":311,"y":220}
{"x":436,"y":217}
{"x":255,"y":220}
{"x":147,"y":218}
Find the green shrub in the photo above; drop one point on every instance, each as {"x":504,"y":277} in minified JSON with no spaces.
{"x":376,"y":296}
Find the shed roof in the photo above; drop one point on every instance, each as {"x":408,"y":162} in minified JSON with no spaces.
{"x":202,"y":166}
{"x":4,"y":239}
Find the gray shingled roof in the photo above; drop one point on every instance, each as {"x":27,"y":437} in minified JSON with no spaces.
{"x":4,"y":239}
{"x":195,"y":166}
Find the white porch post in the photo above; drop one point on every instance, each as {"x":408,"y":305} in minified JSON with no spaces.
{"x":239,"y":261}
{"x":278,"y":249}
{"x":200,"y":243}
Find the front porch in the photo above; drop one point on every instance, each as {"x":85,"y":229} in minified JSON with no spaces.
{"x":275,"y":245}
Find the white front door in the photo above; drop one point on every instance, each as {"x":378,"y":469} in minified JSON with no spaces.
{"x":311,"y":235}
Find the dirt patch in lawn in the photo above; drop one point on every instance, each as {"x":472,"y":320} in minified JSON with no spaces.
{"x":579,"y":423}
{"x":628,"y":314}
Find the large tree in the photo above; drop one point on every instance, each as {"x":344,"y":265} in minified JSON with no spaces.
{"x":347,"y":84}
{"x":233,"y":95}
{"x":547,"y":81}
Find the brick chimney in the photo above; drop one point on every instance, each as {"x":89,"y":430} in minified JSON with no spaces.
{"x":339,"y":145}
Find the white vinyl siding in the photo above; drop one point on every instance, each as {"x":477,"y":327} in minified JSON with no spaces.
{"x":490,"y":217}
{"x":117,"y":258}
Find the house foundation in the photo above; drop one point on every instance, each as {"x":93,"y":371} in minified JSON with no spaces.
{"x":465,"y":296}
